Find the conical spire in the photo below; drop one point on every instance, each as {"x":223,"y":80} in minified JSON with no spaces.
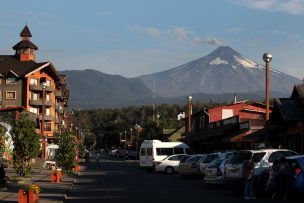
{"x":25,"y":32}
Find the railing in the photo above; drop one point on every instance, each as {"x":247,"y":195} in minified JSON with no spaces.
{"x":39,"y":88}
{"x":39,"y":103}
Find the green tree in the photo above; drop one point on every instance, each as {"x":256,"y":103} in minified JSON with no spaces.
{"x":26,"y":144}
{"x":81,"y":150}
{"x":66,"y":153}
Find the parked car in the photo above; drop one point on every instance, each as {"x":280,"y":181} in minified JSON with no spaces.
{"x":190,"y":166}
{"x":214,"y":174}
{"x":169,"y":164}
{"x":263,"y":160}
{"x":286,"y":176}
{"x":210,"y":157}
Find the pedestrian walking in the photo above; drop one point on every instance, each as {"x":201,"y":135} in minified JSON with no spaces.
{"x":248,"y":174}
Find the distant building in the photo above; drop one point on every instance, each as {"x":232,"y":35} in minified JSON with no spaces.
{"x":231,"y":126}
{"x":287,"y":121}
{"x":21,"y":79}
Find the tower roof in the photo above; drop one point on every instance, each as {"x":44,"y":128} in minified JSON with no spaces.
{"x":25,"y":44}
{"x":25,"y":32}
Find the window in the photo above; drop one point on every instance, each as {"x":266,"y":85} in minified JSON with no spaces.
{"x":164,"y":151}
{"x":48,"y":83}
{"x":24,"y":51}
{"x":47,"y":126}
{"x":47,"y":98}
{"x":31,"y":51}
{"x":143,"y":152}
{"x":34,"y":96}
{"x":178,"y":150}
{"x":47,"y":111}
{"x":34,"y":110}
{"x":11,"y":80}
{"x":34,"y":81}
{"x":11,"y":95}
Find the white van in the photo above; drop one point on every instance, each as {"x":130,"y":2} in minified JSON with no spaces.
{"x":152,"y":151}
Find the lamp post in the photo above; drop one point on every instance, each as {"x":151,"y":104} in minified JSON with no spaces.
{"x":138,"y":129}
{"x":157,"y":121}
{"x":43,"y":147}
{"x":189,"y":114}
{"x":125,"y":139}
{"x":131,"y":136}
{"x":267,"y":59}
{"x":60,"y":110}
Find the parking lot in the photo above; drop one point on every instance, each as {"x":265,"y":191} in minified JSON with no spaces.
{"x":119,"y":180}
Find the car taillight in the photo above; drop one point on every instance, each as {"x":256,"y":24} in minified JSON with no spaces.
{"x":218,"y":172}
{"x":297,"y":171}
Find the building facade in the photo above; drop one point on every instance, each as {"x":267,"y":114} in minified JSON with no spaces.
{"x":287,"y":121}
{"x":226,"y":127}
{"x":37,"y":87}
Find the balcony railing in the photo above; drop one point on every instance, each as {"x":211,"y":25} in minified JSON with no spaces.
{"x":39,"y":88}
{"x":39,"y":103}
{"x":46,"y":117}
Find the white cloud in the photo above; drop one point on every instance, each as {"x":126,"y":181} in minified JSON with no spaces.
{"x":153,"y":31}
{"x":198,"y":41}
{"x":295,"y":7}
{"x":209,"y":40}
{"x":179,"y":33}
{"x":213,"y":41}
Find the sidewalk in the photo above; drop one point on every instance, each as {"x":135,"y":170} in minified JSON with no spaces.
{"x":51,"y":192}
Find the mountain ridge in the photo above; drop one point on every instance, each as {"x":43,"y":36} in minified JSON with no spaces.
{"x":223,"y":70}
{"x":216,"y":77}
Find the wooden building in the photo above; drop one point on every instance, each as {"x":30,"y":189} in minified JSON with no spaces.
{"x":31,"y":85}
{"x":226,"y":127}
{"x":287,"y":120}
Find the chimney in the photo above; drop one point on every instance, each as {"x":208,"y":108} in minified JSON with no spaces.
{"x":234,"y":98}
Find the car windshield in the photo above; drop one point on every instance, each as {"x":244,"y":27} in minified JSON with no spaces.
{"x":210,"y":157}
{"x":193,"y":159}
{"x":238,"y":157}
{"x":184,"y":159}
{"x":216,"y":163}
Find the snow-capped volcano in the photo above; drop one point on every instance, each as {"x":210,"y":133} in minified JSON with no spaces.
{"x":222,"y":71}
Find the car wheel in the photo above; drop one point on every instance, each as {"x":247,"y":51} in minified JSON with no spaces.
{"x":169,"y":170}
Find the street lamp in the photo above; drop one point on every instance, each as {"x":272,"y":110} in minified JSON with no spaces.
{"x":189,"y":114}
{"x":43,"y":86}
{"x":157,"y":121}
{"x":131,"y":137}
{"x":125,"y":139}
{"x":138,"y":129}
{"x":267,"y":59}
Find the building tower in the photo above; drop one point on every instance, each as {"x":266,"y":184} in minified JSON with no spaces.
{"x":25,"y":49}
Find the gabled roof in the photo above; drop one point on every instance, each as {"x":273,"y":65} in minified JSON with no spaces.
{"x":298,"y":91}
{"x":25,"y":44}
{"x":25,"y":32}
{"x":10,"y":63}
{"x":289,"y":109}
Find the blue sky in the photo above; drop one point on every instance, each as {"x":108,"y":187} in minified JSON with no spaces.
{"x":136,"y":37}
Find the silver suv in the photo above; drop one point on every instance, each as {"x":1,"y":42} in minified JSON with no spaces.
{"x":263,"y":160}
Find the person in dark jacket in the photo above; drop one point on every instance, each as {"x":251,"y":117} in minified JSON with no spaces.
{"x":248,"y":174}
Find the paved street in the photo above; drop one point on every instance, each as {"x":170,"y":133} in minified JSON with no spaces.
{"x":117,"y":180}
